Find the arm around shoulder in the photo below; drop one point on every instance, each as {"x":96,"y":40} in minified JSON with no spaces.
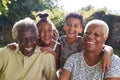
{"x":65,"y":75}
{"x":113,"y":73}
{"x":118,"y":78}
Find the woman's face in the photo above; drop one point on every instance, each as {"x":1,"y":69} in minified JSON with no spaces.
{"x":45,"y":33}
{"x":94,"y":38}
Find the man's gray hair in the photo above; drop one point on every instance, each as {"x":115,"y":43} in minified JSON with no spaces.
{"x":23,"y":24}
{"x":100,"y":23}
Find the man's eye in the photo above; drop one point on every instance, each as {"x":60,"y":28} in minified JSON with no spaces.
{"x":22,"y":40}
{"x":33,"y":38}
{"x":28,"y":39}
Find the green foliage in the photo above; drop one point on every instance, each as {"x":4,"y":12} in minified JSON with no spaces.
{"x":117,"y":52}
{"x":2,"y":44}
{"x":87,"y":11}
{"x":12,"y":11}
{"x":57,"y":15}
{"x":4,"y":7}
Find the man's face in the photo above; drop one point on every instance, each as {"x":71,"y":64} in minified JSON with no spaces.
{"x":27,"y":41}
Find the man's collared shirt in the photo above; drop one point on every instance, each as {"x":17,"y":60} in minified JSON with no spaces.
{"x":16,"y":66}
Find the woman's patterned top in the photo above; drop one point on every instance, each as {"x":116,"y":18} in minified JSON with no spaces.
{"x":81,"y":71}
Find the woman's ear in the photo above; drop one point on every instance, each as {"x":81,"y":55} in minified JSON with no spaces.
{"x":105,"y":39}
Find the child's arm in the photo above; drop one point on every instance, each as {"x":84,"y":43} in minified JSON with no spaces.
{"x":49,"y":50}
{"x":65,"y":75}
{"x":106,"y":59}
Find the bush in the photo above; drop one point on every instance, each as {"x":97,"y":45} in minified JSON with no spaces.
{"x":117,"y":52}
{"x":2,"y":44}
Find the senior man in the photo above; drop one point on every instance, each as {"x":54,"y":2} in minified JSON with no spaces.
{"x":26,"y":62}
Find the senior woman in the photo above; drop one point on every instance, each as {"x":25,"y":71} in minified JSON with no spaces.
{"x":86,"y":65}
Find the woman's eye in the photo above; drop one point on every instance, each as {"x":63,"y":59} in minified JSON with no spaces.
{"x":87,"y":33}
{"x":50,"y":30}
{"x":97,"y":35}
{"x":42,"y":30}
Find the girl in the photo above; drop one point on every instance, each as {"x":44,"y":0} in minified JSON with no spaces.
{"x":48,"y":36}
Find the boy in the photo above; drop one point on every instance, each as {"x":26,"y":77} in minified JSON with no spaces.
{"x":72,"y":43}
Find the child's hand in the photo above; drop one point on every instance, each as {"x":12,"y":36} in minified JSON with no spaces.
{"x":12,"y":46}
{"x":106,"y":61}
{"x":48,"y":50}
{"x":59,"y":71}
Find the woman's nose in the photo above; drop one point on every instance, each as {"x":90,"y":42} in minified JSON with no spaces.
{"x":90,"y":36}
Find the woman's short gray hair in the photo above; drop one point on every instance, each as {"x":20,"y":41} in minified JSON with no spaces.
{"x":23,"y":24}
{"x":99,"y":23}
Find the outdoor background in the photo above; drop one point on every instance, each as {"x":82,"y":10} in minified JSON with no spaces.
{"x":14,"y":10}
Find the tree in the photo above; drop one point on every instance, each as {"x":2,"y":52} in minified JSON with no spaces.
{"x":57,"y":16}
{"x":4,"y":7}
{"x":13,"y":10}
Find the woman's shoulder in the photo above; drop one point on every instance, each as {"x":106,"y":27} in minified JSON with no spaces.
{"x":77,"y":55}
{"x":115,"y":59}
{"x":114,"y":69}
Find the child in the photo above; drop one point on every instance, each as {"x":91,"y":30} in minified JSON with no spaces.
{"x":72,"y":43}
{"x":48,"y":36}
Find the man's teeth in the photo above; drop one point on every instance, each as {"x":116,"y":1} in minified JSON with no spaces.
{"x":28,"y":49}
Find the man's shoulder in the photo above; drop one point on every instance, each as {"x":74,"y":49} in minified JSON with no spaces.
{"x":48,"y":55}
{"x":5,"y":50}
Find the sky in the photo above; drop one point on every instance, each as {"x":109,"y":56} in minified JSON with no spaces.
{"x":74,"y":5}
